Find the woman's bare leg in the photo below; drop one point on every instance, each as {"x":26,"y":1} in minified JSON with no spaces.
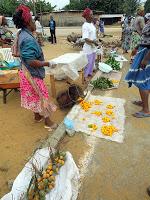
{"x":144,"y":97}
{"x":37,"y":117}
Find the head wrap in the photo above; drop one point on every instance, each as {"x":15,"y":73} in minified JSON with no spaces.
{"x":26,"y":15}
{"x":147,"y":16}
{"x":86,"y":12}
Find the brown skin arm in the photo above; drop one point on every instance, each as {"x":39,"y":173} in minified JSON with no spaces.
{"x":145,"y":60}
{"x":90,"y":42}
{"x":37,"y":63}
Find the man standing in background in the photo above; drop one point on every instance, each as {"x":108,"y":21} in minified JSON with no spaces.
{"x":52,"y":25}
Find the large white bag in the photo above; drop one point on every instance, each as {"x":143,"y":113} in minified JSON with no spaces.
{"x":67,"y":181}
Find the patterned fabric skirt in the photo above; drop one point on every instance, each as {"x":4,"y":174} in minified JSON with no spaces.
{"x":126,"y":44}
{"x":138,"y":76}
{"x":29,"y":98}
{"x":136,"y":39}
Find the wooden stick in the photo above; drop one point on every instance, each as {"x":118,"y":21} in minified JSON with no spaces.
{"x":53,"y":88}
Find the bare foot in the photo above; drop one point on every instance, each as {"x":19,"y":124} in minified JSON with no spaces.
{"x":48,"y":122}
{"x":138,"y":103}
{"x":37,"y":117}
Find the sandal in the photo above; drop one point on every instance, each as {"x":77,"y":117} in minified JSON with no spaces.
{"x":38,"y":121}
{"x":51,"y":128}
{"x":137,"y":103}
{"x":141,"y":115}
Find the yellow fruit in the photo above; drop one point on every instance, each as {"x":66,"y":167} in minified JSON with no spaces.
{"x":44,"y":175}
{"x":50,"y":187}
{"x":50,"y":167}
{"x":59,"y":161}
{"x":106,"y":119}
{"x":51,"y":172}
{"x":39,"y":179}
{"x":62,"y":162}
{"x":110,"y":106}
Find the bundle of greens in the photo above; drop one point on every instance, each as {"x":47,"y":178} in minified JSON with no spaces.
{"x":102,"y":83}
{"x":113,"y":63}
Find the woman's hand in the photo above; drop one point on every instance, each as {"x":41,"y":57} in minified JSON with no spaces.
{"x":145,"y":60}
{"x":144,"y":63}
{"x":52,"y":64}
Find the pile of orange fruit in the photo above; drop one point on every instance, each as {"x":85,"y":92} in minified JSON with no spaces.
{"x":108,"y":130}
{"x":44,"y":181}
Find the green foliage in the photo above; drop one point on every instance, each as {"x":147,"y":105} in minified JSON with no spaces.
{"x":108,"y":6}
{"x":130,"y":6}
{"x":7,"y":7}
{"x":147,"y":6}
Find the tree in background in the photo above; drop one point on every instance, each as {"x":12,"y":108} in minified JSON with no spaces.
{"x":108,"y":6}
{"x":130,"y":6}
{"x":147,"y":6}
{"x":7,"y":7}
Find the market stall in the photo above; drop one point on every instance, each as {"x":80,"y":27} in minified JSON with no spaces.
{"x":9,"y":78}
{"x":68,"y":65}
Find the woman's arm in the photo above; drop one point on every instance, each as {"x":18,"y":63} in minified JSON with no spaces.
{"x":145,"y":60}
{"x":91,"y":42}
{"x":38,"y":63}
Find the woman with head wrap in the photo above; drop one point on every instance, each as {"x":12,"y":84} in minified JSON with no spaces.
{"x":138,"y":26}
{"x":139,"y":73}
{"x":89,"y":36}
{"x":34,"y":94}
{"x":5,"y":35}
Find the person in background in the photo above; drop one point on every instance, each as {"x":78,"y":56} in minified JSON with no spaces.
{"x":34,"y":93}
{"x":6,"y":36}
{"x":89,"y":36}
{"x":39,"y":31}
{"x":127,"y":34}
{"x":52,"y":25}
{"x":101,"y":27}
{"x":139,"y":73}
{"x":138,"y":25}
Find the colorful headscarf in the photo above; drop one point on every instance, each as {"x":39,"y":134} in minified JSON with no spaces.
{"x":86,"y":12}
{"x":26,"y":15}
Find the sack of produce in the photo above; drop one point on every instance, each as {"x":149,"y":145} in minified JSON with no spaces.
{"x":104,"y":67}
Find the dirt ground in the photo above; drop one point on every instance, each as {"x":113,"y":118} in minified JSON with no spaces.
{"x":19,"y":134}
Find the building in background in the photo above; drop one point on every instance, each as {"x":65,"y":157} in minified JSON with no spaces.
{"x":67,"y":18}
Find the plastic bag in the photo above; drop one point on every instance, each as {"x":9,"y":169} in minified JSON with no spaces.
{"x":67,"y":181}
{"x":104,"y":67}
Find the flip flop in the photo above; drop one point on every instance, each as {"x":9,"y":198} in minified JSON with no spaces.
{"x":137,"y":103}
{"x":38,"y":121}
{"x":141,"y":115}
{"x":51,"y":128}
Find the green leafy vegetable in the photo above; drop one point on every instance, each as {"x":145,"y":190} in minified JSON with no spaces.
{"x":102,"y":83}
{"x":113,"y":63}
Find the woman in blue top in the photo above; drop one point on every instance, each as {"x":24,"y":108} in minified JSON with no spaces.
{"x":34,"y":94}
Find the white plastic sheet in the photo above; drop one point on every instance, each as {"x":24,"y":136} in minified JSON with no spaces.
{"x":67,"y":181}
{"x":69,"y":64}
{"x":77,"y":115}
